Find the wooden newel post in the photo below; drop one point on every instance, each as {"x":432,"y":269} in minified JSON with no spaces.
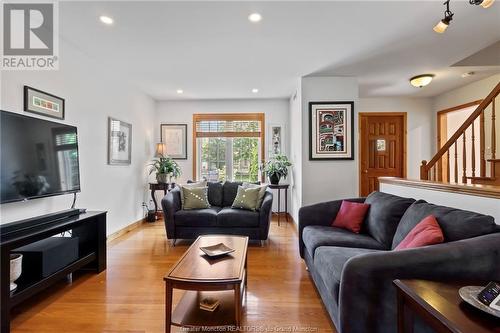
{"x":424,"y":175}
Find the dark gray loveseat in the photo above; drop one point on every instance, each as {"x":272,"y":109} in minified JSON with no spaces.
{"x":220,"y":218}
{"x":354,"y":272}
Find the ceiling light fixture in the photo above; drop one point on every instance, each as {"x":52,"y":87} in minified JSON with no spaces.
{"x":448,"y":14}
{"x":482,"y":3}
{"x":106,"y":20}
{"x":255,"y":17}
{"x":420,"y":81}
{"x":180,"y":91}
{"x":442,"y":25}
{"x":255,"y":90}
{"x":464,"y":75}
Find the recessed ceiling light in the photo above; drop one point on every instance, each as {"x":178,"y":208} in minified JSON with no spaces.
{"x":255,"y":90}
{"x":255,"y":17}
{"x":464,"y":75}
{"x":106,"y":20}
{"x":180,"y":91}
{"x":420,"y":81}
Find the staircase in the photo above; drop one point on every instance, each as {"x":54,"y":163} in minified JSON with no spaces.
{"x":457,"y":161}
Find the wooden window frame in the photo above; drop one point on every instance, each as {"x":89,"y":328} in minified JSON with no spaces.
{"x":230,"y":117}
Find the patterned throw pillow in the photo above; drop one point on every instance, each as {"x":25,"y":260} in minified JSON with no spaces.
{"x":246,"y":198}
{"x":262,"y":191}
{"x":201,"y":184}
{"x":195,"y":198}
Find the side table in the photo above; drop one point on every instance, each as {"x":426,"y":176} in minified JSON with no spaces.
{"x":439,"y":305}
{"x":280,"y":187}
{"x":165,"y":187}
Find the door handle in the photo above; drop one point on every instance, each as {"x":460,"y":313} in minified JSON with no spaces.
{"x":365,"y":171}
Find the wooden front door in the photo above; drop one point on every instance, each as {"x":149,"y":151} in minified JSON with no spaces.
{"x":382,"y":148}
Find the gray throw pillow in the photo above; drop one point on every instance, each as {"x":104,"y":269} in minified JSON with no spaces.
{"x":202,"y":184}
{"x":262,"y":191}
{"x":195,"y":198}
{"x":246,"y":198}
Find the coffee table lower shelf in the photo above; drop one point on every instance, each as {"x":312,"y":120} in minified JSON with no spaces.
{"x":188,"y":313}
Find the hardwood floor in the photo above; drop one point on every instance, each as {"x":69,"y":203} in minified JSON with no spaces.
{"x":129,"y":296}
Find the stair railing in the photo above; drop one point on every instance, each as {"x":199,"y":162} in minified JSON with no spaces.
{"x":433,"y":170}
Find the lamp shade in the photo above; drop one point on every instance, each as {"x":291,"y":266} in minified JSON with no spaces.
{"x":487,"y":3}
{"x":161,"y":150}
{"x":441,"y":26}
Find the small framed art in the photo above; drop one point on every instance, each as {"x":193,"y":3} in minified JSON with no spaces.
{"x":40,"y":102}
{"x":119,"y":142}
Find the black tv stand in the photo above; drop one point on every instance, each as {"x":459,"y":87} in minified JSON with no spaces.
{"x":89,"y":227}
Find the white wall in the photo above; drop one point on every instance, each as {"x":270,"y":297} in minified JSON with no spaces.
{"x":328,"y":180}
{"x":483,"y":205}
{"x":420,"y":122}
{"x":295,"y":139}
{"x":466,"y":94}
{"x":91,"y":96}
{"x":181,"y":112}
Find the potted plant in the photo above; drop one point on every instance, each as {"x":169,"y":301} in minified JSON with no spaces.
{"x":165,"y":168}
{"x":276,"y":168}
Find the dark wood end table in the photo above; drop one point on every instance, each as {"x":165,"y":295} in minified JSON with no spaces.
{"x":165,"y":187}
{"x":280,"y":187}
{"x":440,"y":306}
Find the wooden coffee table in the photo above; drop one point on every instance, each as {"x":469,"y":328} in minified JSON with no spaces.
{"x":223,"y":278}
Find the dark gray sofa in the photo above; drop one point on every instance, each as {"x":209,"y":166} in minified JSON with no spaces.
{"x":220,"y":218}
{"x":354,"y":272}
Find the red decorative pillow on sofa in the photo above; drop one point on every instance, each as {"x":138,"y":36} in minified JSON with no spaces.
{"x":426,"y":232}
{"x":351,"y":216}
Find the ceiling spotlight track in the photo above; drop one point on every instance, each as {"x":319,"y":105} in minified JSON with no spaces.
{"x":445,"y":22}
{"x":482,"y":3}
{"x":448,"y":14}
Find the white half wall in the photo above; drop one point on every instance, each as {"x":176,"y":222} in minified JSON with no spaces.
{"x":483,"y":205}
{"x":91,"y":96}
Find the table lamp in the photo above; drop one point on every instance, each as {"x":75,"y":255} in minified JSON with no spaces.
{"x":161,"y":150}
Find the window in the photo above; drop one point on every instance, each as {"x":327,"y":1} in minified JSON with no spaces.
{"x":67,"y":158}
{"x":228,"y":146}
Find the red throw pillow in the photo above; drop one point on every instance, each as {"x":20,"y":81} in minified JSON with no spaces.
{"x":351,"y":216}
{"x":426,"y":232}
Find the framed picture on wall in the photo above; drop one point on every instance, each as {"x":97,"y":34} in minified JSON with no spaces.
{"x":174,"y":136}
{"x":40,"y":102}
{"x":331,"y":130}
{"x":276,"y":137}
{"x":119,"y":142}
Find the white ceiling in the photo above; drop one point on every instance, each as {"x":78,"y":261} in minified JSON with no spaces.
{"x":210,"y":49}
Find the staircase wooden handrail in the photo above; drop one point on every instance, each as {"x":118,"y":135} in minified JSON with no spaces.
{"x":426,"y":166}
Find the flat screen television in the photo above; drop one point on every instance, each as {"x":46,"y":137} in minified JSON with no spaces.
{"x":38,"y":158}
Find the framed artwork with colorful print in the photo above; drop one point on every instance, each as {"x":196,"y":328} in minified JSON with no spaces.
{"x":331,"y":126}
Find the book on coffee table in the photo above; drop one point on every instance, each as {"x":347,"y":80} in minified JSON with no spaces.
{"x":209,"y":304}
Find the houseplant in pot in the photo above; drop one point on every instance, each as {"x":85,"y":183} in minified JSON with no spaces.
{"x":165,"y":168}
{"x":276,"y":168}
